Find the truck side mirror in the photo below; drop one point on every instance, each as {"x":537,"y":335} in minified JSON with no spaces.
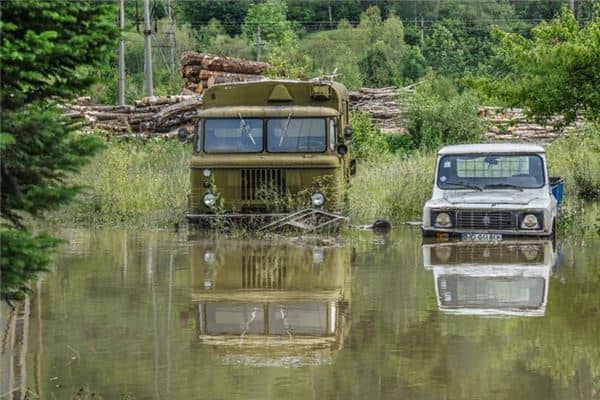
{"x":347,"y":133}
{"x":182,"y":135}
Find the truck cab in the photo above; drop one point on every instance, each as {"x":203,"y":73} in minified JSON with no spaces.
{"x":491,"y":191}
{"x":270,"y":147}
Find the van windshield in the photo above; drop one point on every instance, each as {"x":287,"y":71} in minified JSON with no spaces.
{"x":296,"y":135}
{"x":497,"y":171}
{"x":235,"y":135}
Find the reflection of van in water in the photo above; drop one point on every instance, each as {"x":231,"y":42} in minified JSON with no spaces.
{"x":270,"y":304}
{"x":509,"y":278}
{"x":269,"y":147}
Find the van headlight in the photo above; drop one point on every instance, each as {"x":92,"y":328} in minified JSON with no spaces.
{"x":530,"y":221}
{"x":209,"y":199}
{"x":443,"y":220}
{"x":317,"y":199}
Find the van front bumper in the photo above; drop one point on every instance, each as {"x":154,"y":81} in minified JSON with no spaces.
{"x":445,"y":234}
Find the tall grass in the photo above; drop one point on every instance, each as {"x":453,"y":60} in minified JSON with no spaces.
{"x":132,"y":184}
{"x":396,"y":187}
{"x":393,"y":187}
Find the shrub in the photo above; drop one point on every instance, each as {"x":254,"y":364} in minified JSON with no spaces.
{"x":440,"y":115}
{"x":368,"y":141}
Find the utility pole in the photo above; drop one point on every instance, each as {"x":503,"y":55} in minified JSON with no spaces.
{"x":148,"y":50}
{"x":171,"y":34}
{"x":258,"y":43}
{"x":121,"y":81}
{"x":330,"y":16}
{"x":422,"y":31}
{"x":572,"y":6}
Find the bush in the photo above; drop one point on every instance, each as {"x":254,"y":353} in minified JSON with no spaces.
{"x":368,"y":141}
{"x":440,"y":115}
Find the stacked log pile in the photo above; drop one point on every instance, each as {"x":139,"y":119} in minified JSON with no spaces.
{"x":512,"y":124}
{"x":200,"y":70}
{"x":386,"y":106}
{"x":149,"y":116}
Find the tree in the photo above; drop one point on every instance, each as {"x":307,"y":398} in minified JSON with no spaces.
{"x":270,"y":17}
{"x":376,"y":68}
{"x":556,"y":71}
{"x":50,"y":50}
{"x":199,"y":12}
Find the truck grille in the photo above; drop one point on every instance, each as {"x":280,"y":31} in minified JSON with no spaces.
{"x":486,"y":220}
{"x":260,"y":272}
{"x":258,"y":184}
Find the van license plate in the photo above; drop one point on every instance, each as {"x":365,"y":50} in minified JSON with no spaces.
{"x":481,"y":237}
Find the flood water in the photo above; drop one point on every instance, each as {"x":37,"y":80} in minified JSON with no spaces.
{"x":159,"y":315}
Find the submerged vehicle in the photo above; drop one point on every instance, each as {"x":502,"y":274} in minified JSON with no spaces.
{"x":489,"y":191}
{"x":497,"y":279}
{"x":270,"y":147}
{"x":270,"y":304}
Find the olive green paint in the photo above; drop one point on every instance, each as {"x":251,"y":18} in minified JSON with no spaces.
{"x":304,"y":173}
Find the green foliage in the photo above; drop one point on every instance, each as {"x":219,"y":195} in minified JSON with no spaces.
{"x":213,"y":38}
{"x":440,"y":115}
{"x":49,"y":49}
{"x":287,"y":59}
{"x":22,"y":257}
{"x":199,"y":12}
{"x":577,"y":159}
{"x":376,"y":69}
{"x":270,"y":17}
{"x":368,"y":141}
{"x":141,"y":184}
{"x":392,"y":187}
{"x":556,"y":71}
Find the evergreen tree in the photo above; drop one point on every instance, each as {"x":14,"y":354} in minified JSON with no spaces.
{"x":49,"y":52}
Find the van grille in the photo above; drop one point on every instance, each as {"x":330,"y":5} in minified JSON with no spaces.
{"x":486,"y":220}
{"x":258,"y":184}
{"x":488,"y":254}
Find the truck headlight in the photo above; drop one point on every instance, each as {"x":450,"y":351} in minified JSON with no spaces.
{"x":443,"y":220}
{"x":206,"y":172}
{"x":530,"y":221}
{"x":209,"y":199}
{"x":317,"y":199}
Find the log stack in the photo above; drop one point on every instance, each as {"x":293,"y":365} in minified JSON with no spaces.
{"x":149,"y":116}
{"x":201,"y":70}
{"x":511,"y":124}
{"x":387,"y":106}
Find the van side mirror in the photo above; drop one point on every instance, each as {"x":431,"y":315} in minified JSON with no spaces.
{"x":347,"y":133}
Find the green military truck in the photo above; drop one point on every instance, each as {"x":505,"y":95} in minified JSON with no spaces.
{"x":267,"y":148}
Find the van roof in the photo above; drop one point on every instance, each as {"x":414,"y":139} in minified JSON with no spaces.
{"x":494,"y":148}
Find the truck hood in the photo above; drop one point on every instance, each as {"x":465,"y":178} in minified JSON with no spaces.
{"x":504,"y":196}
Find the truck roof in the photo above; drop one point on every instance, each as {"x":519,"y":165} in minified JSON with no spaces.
{"x":492,"y":148}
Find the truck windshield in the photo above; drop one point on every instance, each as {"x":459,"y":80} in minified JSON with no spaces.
{"x":296,"y":135}
{"x":235,"y":135}
{"x":497,"y":171}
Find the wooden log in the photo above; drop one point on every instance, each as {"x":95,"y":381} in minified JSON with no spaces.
{"x":225,"y":64}
{"x":161,"y":100}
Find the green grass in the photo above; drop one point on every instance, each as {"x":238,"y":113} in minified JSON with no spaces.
{"x":132,"y":184}
{"x":146,"y":184}
{"x":395,"y":187}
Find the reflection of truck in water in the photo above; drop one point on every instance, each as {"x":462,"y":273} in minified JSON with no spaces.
{"x":489,"y":191}
{"x":509,"y":278}
{"x":270,"y":304}
{"x":269,"y":147}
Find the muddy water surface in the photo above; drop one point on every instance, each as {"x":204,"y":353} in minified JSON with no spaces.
{"x":156,"y":315}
